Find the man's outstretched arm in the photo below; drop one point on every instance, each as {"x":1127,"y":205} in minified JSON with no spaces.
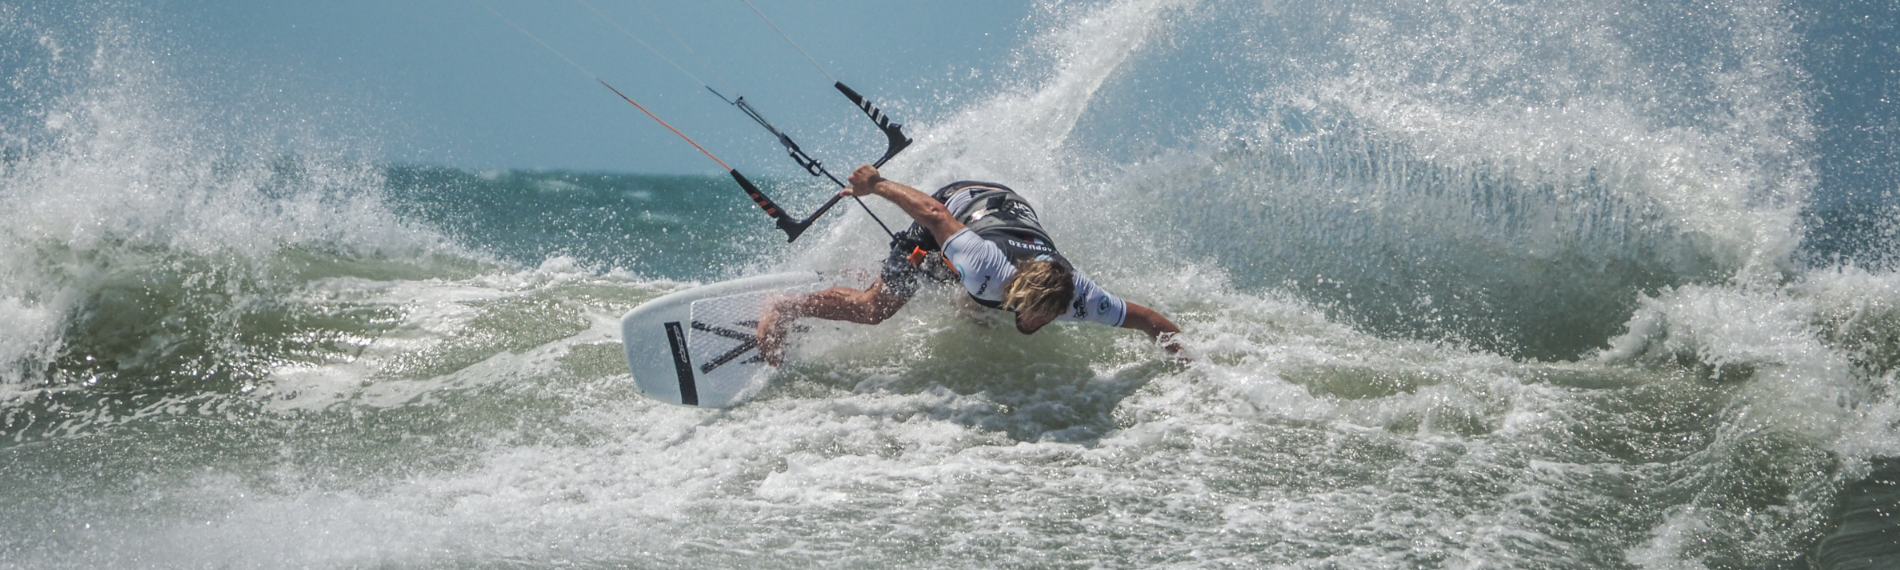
{"x":929,"y":213}
{"x":1158,"y":327}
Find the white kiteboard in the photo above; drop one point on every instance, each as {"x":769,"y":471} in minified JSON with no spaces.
{"x":699,"y":347}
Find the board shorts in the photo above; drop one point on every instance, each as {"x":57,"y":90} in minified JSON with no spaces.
{"x":901,"y":277}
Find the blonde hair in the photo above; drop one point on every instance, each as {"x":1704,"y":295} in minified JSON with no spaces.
{"x":1039,"y":289}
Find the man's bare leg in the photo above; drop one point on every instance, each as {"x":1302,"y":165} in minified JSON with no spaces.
{"x":869,"y":306}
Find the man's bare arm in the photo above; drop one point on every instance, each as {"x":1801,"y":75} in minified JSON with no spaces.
{"x":1158,"y":327}
{"x":919,"y":206}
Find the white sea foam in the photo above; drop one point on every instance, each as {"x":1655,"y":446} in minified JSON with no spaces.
{"x":129,"y":177}
{"x":28,"y":341}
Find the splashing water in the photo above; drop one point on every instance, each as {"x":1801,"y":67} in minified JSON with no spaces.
{"x":1473,"y":285}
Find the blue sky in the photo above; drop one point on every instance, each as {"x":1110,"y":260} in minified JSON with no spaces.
{"x":447,"y":82}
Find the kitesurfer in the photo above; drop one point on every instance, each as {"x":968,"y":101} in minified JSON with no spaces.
{"x":991,"y":243}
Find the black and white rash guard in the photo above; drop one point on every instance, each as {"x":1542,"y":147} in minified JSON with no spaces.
{"x":982,"y":268}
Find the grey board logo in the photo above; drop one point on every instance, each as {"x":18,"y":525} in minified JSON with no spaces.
{"x":748,"y":341}
{"x":1081,"y":307}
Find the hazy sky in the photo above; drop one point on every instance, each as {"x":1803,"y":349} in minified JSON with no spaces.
{"x":448,"y":82}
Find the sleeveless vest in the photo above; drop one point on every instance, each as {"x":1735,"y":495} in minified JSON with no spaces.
{"x":1002,"y":217}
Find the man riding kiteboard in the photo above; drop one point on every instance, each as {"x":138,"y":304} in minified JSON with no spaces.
{"x":991,"y":243}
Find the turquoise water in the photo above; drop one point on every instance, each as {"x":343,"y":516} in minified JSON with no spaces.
{"x":1544,"y":285}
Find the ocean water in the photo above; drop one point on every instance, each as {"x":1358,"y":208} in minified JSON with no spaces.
{"x":1539,"y":284}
